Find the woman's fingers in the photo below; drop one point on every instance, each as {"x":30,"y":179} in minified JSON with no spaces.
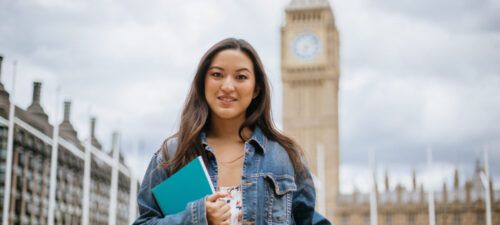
{"x":218,"y":212}
{"x":216,"y":195}
{"x":226,"y":216}
{"x":225,"y":208}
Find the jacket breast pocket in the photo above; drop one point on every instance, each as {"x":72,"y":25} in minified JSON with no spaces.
{"x":279,"y":193}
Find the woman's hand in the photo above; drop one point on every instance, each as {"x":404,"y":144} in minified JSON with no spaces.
{"x":218,"y":212}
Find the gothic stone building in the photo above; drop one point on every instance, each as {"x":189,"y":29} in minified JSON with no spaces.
{"x":462,"y":204}
{"x":30,"y":177}
{"x":310,"y":76}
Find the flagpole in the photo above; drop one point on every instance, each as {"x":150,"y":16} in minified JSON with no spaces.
{"x":432,"y":215}
{"x":373,"y":192}
{"x":10,"y":147}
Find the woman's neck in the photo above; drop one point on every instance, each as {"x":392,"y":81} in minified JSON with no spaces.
{"x":227,"y":129}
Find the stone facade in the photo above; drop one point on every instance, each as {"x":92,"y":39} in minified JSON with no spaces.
{"x":462,"y":204}
{"x":30,"y":183}
{"x":310,"y":75}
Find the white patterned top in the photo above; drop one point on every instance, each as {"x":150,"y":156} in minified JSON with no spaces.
{"x":235,"y":202}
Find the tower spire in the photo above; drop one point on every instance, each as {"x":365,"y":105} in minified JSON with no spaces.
{"x":1,"y":62}
{"x":479,"y":168}
{"x":414,"y":180}
{"x":386,"y":181}
{"x":4,"y":95}
{"x":456,"y":182}
{"x":36,"y":108}
{"x":66,"y":128}
{"x":94,"y":140}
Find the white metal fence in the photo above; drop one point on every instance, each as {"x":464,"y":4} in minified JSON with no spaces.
{"x":89,"y":151}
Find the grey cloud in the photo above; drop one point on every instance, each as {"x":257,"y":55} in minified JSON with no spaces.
{"x":458,"y":16}
{"x":400,"y":52}
{"x":422,"y":83}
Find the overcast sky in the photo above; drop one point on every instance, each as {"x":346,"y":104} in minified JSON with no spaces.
{"x":414,"y":74}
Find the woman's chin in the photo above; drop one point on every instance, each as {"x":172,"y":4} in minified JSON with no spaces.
{"x":227,"y":114}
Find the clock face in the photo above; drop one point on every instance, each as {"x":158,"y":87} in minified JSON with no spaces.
{"x":306,"y":46}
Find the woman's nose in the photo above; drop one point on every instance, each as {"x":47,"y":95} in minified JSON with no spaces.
{"x":228,"y":84}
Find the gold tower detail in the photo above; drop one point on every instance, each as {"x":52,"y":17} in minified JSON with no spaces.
{"x":310,"y":75}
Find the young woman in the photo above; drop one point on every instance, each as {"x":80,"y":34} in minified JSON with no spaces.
{"x":259,"y":173}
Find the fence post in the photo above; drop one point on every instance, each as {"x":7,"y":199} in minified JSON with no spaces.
{"x":132,"y":210}
{"x":320,"y":157}
{"x":86,"y":181}
{"x":10,"y":147}
{"x":113,"y":197}
{"x":53,"y":164}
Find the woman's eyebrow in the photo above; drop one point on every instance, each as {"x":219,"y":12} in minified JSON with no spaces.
{"x":241,"y":69}
{"x":216,"y":67}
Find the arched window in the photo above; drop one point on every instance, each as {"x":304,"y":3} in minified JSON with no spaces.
{"x":457,"y":219}
{"x":412,"y":219}
{"x":388,"y":219}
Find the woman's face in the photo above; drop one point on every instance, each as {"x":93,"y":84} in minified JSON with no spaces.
{"x":230,"y":84}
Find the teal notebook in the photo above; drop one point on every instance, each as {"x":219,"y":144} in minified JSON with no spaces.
{"x":190,"y":183}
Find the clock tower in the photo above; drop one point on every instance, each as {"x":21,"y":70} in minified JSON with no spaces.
{"x":310,"y":75}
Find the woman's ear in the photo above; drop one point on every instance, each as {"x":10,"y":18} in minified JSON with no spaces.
{"x":256,"y":92}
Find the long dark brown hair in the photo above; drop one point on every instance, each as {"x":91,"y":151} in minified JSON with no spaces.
{"x":196,"y":112}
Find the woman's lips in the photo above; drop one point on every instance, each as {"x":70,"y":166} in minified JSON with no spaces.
{"x":226,"y":101}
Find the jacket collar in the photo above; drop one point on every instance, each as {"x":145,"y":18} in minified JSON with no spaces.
{"x":258,"y":139}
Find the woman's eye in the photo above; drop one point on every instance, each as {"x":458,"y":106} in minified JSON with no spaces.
{"x":241,"y":77}
{"x":216,"y":74}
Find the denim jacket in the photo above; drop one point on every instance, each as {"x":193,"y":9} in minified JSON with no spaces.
{"x":272,"y":194}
